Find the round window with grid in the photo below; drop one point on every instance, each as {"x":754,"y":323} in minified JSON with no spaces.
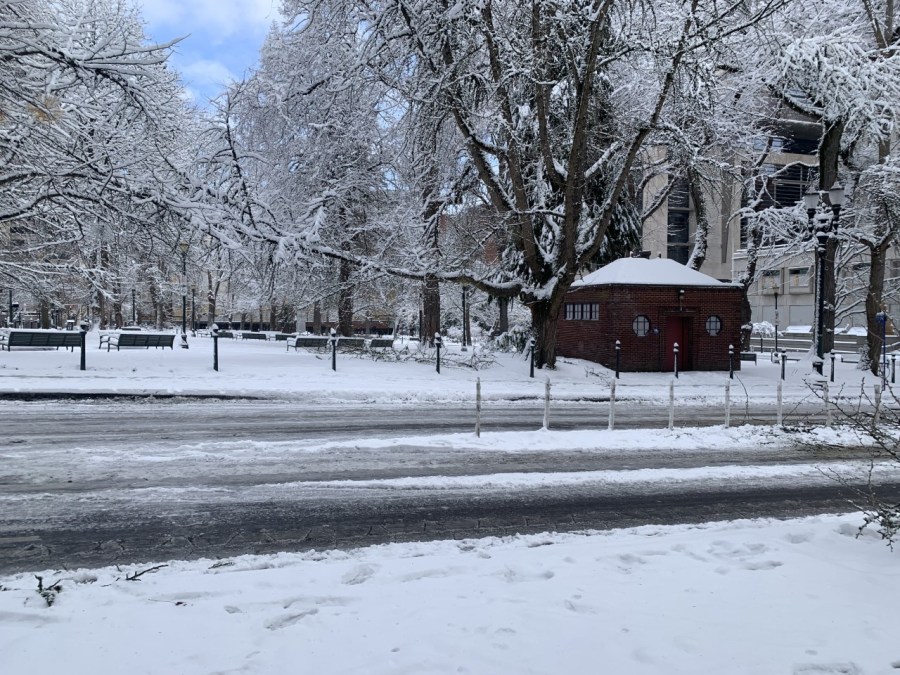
{"x":714,"y":325}
{"x":641,"y":325}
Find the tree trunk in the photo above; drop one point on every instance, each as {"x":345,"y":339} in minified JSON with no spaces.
{"x":317,"y":318}
{"x":431,"y":318}
{"x":345,"y":300}
{"x":701,"y":234}
{"x":544,"y":324}
{"x":210,"y":301}
{"x":503,"y":326}
{"x":45,"y":314}
{"x":874,"y":296}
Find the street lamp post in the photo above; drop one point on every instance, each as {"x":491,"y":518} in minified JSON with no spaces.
{"x":822,"y":232}
{"x":133,"y":309}
{"x":193,"y":310}
{"x":183,"y":246}
{"x":776,"y":319}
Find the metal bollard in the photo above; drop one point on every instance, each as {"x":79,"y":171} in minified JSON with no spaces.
{"x":728,"y":404}
{"x":477,"y":407}
{"x":893,"y":368}
{"x":547,"y":404}
{"x":783,"y":362}
{"x":675,"y":349}
{"x":671,"y":404}
{"x":612,"y":405}
{"x":780,"y":403}
{"x":831,"y":354}
{"x":731,"y":360}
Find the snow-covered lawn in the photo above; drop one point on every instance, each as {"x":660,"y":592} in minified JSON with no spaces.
{"x":801,"y":597}
{"x":266,"y":369}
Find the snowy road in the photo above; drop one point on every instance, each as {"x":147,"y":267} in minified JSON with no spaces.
{"x":97,"y":483}
{"x":68,"y":423}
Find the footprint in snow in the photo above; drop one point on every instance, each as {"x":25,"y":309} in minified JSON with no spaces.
{"x":848,"y":668}
{"x":289,"y":619}
{"x":359,"y":574}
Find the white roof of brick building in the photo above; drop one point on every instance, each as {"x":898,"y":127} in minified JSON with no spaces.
{"x":647,"y":272}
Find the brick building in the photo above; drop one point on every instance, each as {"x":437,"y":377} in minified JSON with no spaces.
{"x":649,"y":305}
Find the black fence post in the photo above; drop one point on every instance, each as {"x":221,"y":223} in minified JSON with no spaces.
{"x":783,"y":362}
{"x":215,"y":337}
{"x":84,"y":328}
{"x":675,"y":349}
{"x":731,"y":361}
{"x":618,"y":357}
{"x":531,"y":357}
{"x":333,"y":350}
{"x":437,"y":345}
{"x":832,"y":366}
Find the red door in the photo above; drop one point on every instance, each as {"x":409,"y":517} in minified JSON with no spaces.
{"x":677,"y":331}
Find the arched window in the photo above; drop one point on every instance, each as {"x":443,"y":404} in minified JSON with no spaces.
{"x":641,"y":325}
{"x":714,"y":325}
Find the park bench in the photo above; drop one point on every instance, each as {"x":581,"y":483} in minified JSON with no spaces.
{"x":284,"y":336}
{"x":748,"y":356}
{"x":381,"y":343}
{"x":253,"y":336}
{"x":307,"y":342}
{"x":322,"y":342}
{"x":25,"y":338}
{"x":147,"y":340}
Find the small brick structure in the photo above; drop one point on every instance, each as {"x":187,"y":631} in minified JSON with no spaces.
{"x":649,"y":305}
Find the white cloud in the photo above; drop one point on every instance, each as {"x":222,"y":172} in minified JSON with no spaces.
{"x":206,"y":75}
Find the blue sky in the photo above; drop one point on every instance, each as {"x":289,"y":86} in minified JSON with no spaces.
{"x":223,"y":38}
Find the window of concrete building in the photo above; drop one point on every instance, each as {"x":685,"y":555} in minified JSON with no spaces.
{"x":678,"y":225}
{"x":714,"y":325}
{"x":799,"y":280}
{"x":770,"y":282}
{"x":777,"y":186}
{"x":641,"y":325}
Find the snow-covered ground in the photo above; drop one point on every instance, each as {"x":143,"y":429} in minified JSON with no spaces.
{"x":267,"y":369}
{"x":802,"y":597}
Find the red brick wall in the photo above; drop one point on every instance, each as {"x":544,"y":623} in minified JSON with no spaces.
{"x":619,"y":305}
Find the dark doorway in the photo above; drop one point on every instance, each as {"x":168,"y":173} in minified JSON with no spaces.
{"x":678,"y":329}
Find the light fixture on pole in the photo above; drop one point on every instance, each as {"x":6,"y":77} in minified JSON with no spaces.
{"x":183,"y":247}
{"x":822,"y":231}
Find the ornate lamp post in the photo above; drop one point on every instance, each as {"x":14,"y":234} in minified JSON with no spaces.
{"x":822,"y":230}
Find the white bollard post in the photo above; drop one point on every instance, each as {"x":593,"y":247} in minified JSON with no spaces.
{"x":780,"y":400}
{"x":671,"y":404}
{"x":547,"y":404}
{"x":827,"y":405}
{"x":877,"y":417}
{"x":612,"y":405}
{"x":477,"y":407}
{"x":728,"y":404}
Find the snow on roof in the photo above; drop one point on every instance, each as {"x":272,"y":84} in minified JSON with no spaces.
{"x":647,"y":272}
